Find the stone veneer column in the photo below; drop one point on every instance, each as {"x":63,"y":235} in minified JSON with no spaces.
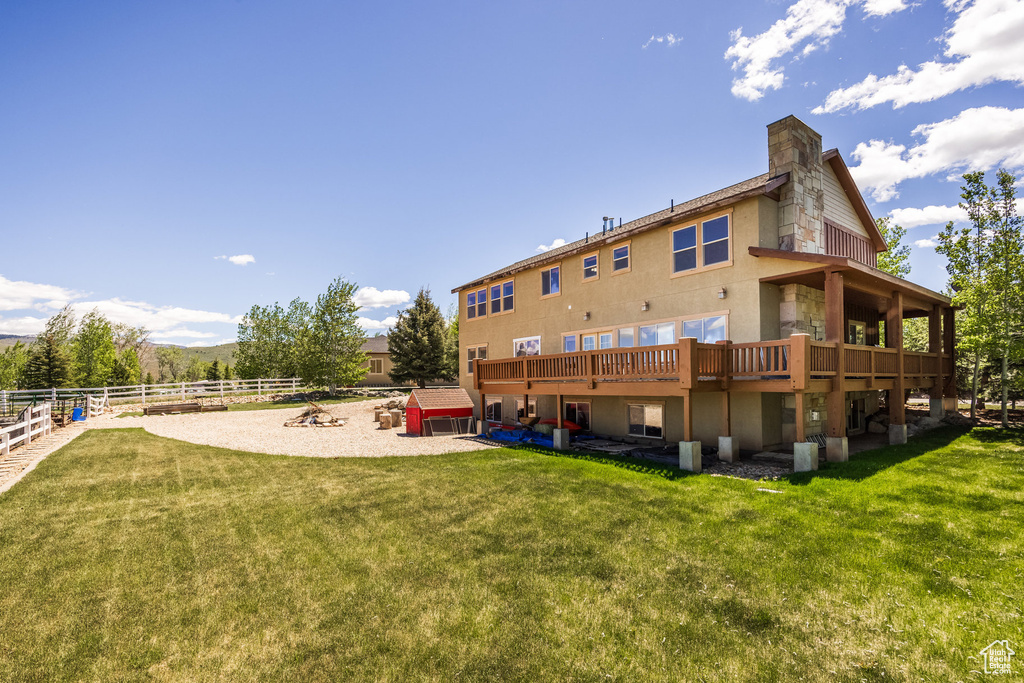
{"x":794,"y":148}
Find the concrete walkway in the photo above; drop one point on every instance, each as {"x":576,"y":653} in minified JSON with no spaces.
{"x":24,"y":459}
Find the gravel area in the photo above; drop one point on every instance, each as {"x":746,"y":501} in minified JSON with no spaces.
{"x":263,"y":431}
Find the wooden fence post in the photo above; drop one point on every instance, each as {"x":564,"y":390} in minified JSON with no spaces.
{"x":259,"y":387}
{"x":221,"y":383}
{"x":5,"y":447}
{"x":294,"y":384}
{"x":28,"y":424}
{"x":143,"y":387}
{"x":3,"y":401}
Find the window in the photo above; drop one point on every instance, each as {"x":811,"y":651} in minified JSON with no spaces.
{"x":569,"y":343}
{"x":481,"y":303}
{"x":531,"y":407}
{"x":604,"y":340}
{"x":662,"y":333}
{"x":857,"y":333}
{"x":588,"y":342}
{"x":550,"y":281}
{"x":376,"y":366}
{"x":474,"y":353}
{"x":526,"y":346}
{"x":471,"y":305}
{"x":684,"y":249}
{"x":715,"y":233}
{"x":626,"y":337}
{"x":713,"y":238}
{"x":493,"y":410}
{"x":620,"y":259}
{"x":501,"y":298}
{"x":578,"y":413}
{"x":706,"y":330}
{"x":590,"y":267}
{"x":646,"y":420}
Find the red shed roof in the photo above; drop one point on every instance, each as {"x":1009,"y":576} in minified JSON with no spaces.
{"x":431,"y":399}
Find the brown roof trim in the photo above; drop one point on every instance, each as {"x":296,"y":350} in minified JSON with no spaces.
{"x":835,"y":160}
{"x":754,"y":187}
{"x":827,"y":262}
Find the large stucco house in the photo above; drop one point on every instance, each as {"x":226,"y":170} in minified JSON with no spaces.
{"x":752,"y":313}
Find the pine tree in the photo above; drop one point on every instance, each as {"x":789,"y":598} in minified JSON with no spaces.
{"x":213,"y":371}
{"x":417,"y":343}
{"x":895,"y":261}
{"x":49,"y":364}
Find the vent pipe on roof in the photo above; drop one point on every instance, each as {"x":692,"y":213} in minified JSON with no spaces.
{"x":672,"y":207}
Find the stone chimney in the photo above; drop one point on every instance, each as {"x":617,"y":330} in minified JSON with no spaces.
{"x":794,"y":148}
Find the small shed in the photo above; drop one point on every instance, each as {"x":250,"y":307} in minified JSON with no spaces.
{"x":438,"y":411}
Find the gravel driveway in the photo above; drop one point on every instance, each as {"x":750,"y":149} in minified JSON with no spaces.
{"x":263,"y":431}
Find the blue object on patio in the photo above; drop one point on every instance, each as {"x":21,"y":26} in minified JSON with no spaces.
{"x":77,"y":415}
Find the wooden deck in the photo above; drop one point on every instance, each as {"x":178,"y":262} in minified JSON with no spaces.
{"x":797,"y":364}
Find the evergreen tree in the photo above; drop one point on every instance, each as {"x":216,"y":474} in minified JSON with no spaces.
{"x":228,"y":373}
{"x":417,"y":343}
{"x":126,"y":370}
{"x":49,"y":364}
{"x":149,"y":378}
{"x":451,"y":348}
{"x":895,"y":261}
{"x":213,"y":371}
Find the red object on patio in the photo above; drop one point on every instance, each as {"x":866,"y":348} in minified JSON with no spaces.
{"x":428,"y":403}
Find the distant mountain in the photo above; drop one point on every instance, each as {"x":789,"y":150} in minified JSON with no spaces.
{"x":12,"y":339}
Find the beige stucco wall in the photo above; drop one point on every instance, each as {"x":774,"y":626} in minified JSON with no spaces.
{"x":374,"y":378}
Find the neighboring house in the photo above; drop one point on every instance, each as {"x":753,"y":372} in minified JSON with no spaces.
{"x":380,"y":362}
{"x":753,"y":312}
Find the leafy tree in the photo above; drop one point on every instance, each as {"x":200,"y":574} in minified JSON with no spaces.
{"x":12,"y":366}
{"x":94,"y":350}
{"x":196,"y":369}
{"x":263,"y":343}
{"x":49,"y":364}
{"x":451,"y":347}
{"x":1004,"y":280}
{"x":332,"y":349}
{"x":298,"y":354}
{"x":417,"y":343}
{"x":229,"y":373}
{"x":895,"y":261}
{"x":126,"y":371}
{"x":213,"y":371}
{"x":968,"y":251}
{"x":171,"y":362}
{"x":135,"y":338}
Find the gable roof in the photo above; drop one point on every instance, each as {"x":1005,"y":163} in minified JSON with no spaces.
{"x":377,"y":344}
{"x":835,"y":160}
{"x":434,"y":399}
{"x":759,"y":185}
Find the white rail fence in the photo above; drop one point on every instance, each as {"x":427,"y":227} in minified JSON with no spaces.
{"x":33,"y":422}
{"x":150,"y":393}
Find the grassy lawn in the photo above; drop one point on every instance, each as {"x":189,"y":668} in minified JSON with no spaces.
{"x":271,"y":405}
{"x":125,"y":556}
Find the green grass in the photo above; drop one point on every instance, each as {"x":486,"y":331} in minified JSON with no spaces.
{"x":125,"y":556}
{"x":272,"y":405}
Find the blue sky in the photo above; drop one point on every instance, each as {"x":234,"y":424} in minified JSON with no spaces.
{"x":173,"y":164}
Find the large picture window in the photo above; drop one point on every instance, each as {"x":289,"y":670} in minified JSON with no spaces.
{"x":706,"y":330}
{"x":550,"y":281}
{"x":700,"y":245}
{"x":661,"y":333}
{"x":646,"y":420}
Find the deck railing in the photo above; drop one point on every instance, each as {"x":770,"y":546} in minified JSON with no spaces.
{"x":797,"y":359}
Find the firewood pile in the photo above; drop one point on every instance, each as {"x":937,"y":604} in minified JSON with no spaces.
{"x":316,"y":416}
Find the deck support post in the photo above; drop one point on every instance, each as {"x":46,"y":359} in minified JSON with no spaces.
{"x":483,"y":414}
{"x":560,"y":439}
{"x":687,"y":416}
{"x":689,"y":456}
{"x":894,"y":340}
{"x":935,"y":347}
{"x":561,"y":410}
{"x":949,"y":397}
{"x":835,"y":332}
{"x":800,"y":418}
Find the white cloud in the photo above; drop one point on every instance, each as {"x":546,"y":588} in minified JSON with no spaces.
{"x":929,"y":215}
{"x":157,"y":319}
{"x":371,"y":297}
{"x":182,"y":332}
{"x":807,"y":26}
{"x":554,"y":245}
{"x":26,"y":325}
{"x":242,"y":259}
{"x":927,"y":243}
{"x":16,"y":295}
{"x":975,"y":139}
{"x":982,"y":46}
{"x":669,"y":39}
{"x":371,"y":325}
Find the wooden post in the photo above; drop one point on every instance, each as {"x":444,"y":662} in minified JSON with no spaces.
{"x":526,"y":407}
{"x":799,"y":361}
{"x":835,"y":332}
{"x":220,"y":383}
{"x":28,"y":424}
{"x":294,"y":385}
{"x":935,"y":348}
{"x":688,"y":365}
{"x":799,"y":418}
{"x":88,"y":407}
{"x":561,"y":410}
{"x":143,"y":393}
{"x":687,"y":415}
{"x":259,"y":387}
{"x":483,"y":407}
{"x":948,"y":348}
{"x":183,"y":391}
{"x":5,"y":447}
{"x":894,"y":339}
{"x":724,"y":428}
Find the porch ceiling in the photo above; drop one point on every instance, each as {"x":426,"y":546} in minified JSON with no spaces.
{"x":865,"y":286}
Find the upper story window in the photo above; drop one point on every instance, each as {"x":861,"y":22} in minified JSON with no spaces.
{"x":620,"y":259}
{"x":476,"y":304}
{"x":550,"y":281}
{"x":590,"y":271}
{"x":700,"y":245}
{"x":502,"y":299}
